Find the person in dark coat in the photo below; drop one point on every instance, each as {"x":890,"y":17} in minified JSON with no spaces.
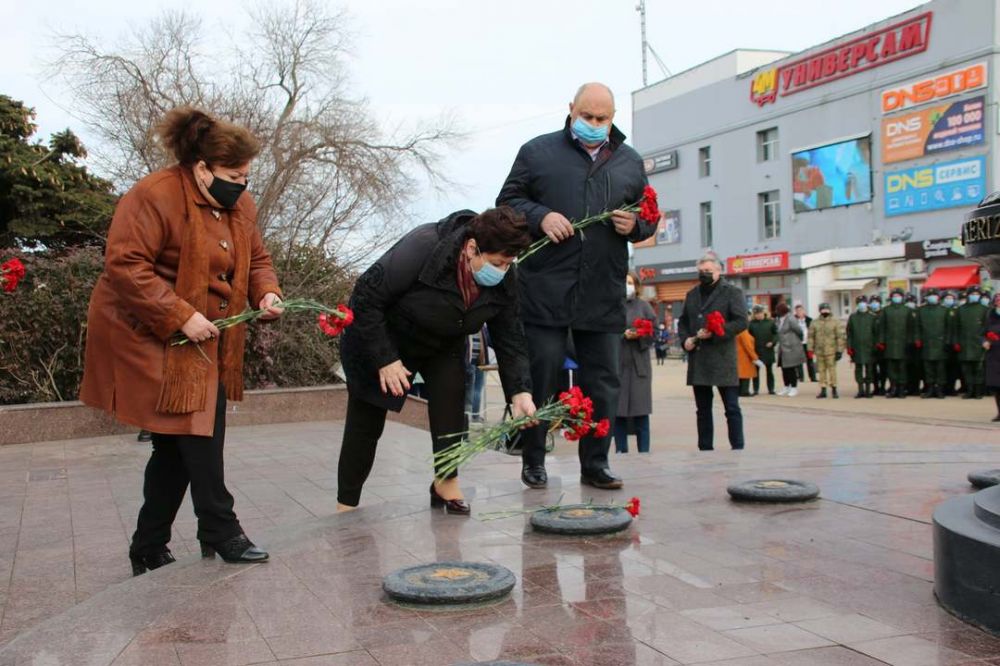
{"x":895,"y":336}
{"x":969,"y":322}
{"x":932,"y":338}
{"x":413,"y":309}
{"x":661,"y":343}
{"x":914,"y":366}
{"x":635,"y":397}
{"x":991,"y":344}
{"x":575,"y":285}
{"x":861,"y":346}
{"x":880,"y":370}
{"x":952,"y":369}
{"x":765,"y":336}
{"x":712,"y":359}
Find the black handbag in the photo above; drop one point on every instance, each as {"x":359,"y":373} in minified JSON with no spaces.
{"x":512,"y":445}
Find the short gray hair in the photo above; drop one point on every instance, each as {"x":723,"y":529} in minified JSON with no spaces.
{"x":582,"y":89}
{"x":711,"y":257}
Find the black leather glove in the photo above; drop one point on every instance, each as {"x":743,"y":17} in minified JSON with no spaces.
{"x":838,"y":356}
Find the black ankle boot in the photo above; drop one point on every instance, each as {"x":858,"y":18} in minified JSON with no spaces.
{"x":833,"y":393}
{"x":154,"y":560}
{"x":235,"y":550}
{"x":822,"y":393}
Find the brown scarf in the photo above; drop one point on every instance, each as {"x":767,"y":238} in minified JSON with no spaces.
{"x":185,"y":369}
{"x":466,"y":282}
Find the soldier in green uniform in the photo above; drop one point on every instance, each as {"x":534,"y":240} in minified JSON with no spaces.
{"x":895,"y":334}
{"x":932,"y":338}
{"x":861,"y":346}
{"x":914,"y":366}
{"x":765,"y":336}
{"x":878,"y":357}
{"x":969,"y":323}
{"x":826,"y":342}
{"x":951,"y":367}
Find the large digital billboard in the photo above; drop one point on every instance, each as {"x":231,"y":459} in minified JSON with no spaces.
{"x":836,"y":174}
{"x":955,"y":184}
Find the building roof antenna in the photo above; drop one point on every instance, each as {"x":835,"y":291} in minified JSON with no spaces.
{"x":647,"y":47}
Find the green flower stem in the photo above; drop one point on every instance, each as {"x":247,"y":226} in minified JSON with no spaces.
{"x":579,"y":226}
{"x":291,"y":305}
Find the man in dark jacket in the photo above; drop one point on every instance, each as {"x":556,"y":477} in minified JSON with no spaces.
{"x":895,"y":335}
{"x":932,"y":338}
{"x":969,"y":322}
{"x":765,"y":336}
{"x":576,"y":285}
{"x":861,"y":346}
{"x":711,"y":357}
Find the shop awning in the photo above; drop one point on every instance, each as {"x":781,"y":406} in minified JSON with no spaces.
{"x":848,"y":285}
{"x":671,"y":292}
{"x":953,"y":277}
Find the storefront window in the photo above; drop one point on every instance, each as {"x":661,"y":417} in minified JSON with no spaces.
{"x":770,"y":214}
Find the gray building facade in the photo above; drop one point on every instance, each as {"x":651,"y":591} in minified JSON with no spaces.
{"x":825,"y":174}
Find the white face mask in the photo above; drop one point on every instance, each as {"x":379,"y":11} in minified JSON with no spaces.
{"x":629,"y":290}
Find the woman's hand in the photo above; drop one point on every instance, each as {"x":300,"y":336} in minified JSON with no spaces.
{"x":271,"y":303}
{"x":703,"y":334}
{"x":199,"y":329}
{"x":521,"y":404}
{"x":394,"y":378}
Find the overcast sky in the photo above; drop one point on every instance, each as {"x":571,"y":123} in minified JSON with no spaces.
{"x":506,"y":69}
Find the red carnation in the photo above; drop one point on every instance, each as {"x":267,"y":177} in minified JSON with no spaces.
{"x":715,"y":323}
{"x":992,"y":337}
{"x":602,"y":428}
{"x":643,"y":328}
{"x":648,"y":208}
{"x":633,"y":507}
{"x":11,"y":272}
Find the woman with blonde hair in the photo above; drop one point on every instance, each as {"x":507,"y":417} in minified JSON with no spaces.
{"x":183,"y":249}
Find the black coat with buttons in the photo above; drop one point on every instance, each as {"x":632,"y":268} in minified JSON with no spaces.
{"x":407,"y":307}
{"x":579,"y":282}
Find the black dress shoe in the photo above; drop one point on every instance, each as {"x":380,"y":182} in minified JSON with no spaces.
{"x":237,"y":549}
{"x":602,"y":478}
{"x":144,"y":436}
{"x":534,"y":476}
{"x":456,"y":506}
{"x":149,"y":561}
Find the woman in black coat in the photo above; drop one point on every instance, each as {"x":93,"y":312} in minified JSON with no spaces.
{"x":992,"y":347}
{"x":413,"y":309}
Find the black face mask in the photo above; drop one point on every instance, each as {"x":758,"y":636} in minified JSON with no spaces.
{"x":824,"y":314}
{"x":225,"y":192}
{"x":706,"y":277}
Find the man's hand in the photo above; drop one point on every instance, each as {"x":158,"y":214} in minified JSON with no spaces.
{"x":703,"y":334}
{"x":624,"y":221}
{"x":521,"y":404}
{"x":690,"y":344}
{"x":630,"y":334}
{"x":769,"y":345}
{"x":557,"y":227}
{"x":272,"y":303}
{"x":394,"y":378}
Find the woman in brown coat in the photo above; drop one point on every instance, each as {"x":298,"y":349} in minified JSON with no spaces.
{"x":747,"y":361}
{"x":183,"y":249}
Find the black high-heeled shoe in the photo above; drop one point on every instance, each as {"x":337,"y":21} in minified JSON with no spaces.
{"x":455,"y":506}
{"x":143,"y":563}
{"x":235,"y":550}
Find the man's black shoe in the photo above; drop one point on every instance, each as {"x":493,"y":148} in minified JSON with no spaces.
{"x":602,"y":478}
{"x":534,"y":476}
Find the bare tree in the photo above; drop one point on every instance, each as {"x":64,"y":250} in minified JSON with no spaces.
{"x":329,"y":176}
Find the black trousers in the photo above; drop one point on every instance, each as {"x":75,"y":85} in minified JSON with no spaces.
{"x":790,"y":376}
{"x":444,"y":388}
{"x":810,"y":367}
{"x":597,"y":355}
{"x":769,"y":367}
{"x":176,"y":462}
{"x":734,"y":416}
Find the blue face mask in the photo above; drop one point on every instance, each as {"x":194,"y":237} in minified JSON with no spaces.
{"x":933,"y":300}
{"x":974,"y":298}
{"x":896,"y":300}
{"x":589,"y":134}
{"x":875,"y":306}
{"x":489,"y":275}
{"x":949,"y":302}
{"x":862,"y":307}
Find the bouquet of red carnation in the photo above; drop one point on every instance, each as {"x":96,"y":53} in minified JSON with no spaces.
{"x":11,"y":272}
{"x":643,"y":328}
{"x":572,"y":411}
{"x":992,"y":337}
{"x":332,"y":321}
{"x":647,"y":209}
{"x":715,"y":323}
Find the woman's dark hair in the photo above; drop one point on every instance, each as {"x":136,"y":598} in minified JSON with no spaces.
{"x":500,"y":230}
{"x":781,"y":309}
{"x":190,"y":135}
{"x":635,"y":279}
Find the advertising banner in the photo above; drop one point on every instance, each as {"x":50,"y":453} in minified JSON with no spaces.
{"x":839,"y":174}
{"x":934,"y":130}
{"x":959,"y":183}
{"x":757,"y":263}
{"x":933,"y":88}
